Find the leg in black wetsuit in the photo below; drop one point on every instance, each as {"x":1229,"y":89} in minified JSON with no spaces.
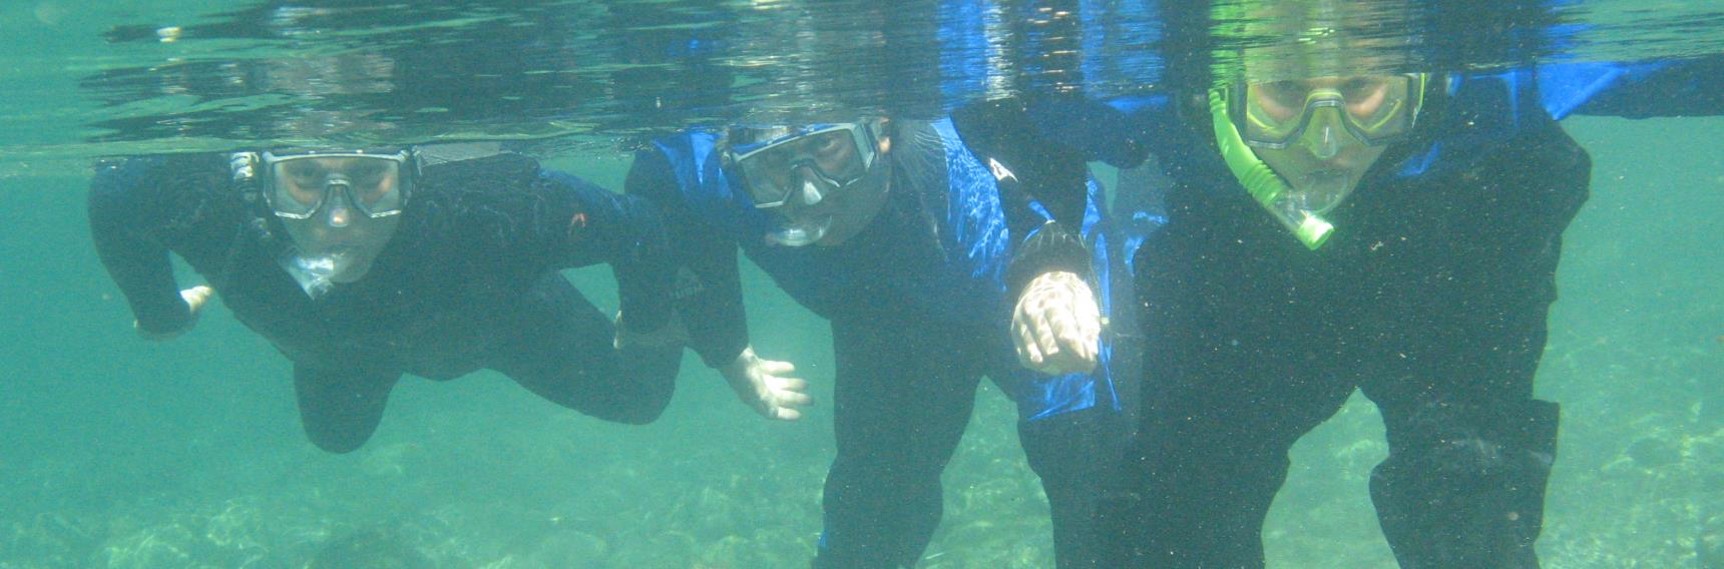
{"x":562,"y":350}
{"x":339,"y":409}
{"x":1073,"y":455}
{"x":903,"y":395}
{"x":1470,"y":449}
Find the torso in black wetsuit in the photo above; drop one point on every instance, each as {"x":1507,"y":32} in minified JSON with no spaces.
{"x":468,"y":281}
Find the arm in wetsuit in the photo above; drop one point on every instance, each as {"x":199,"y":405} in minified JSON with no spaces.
{"x":632,"y":239}
{"x":1683,"y":88}
{"x":1041,"y":176}
{"x":131,"y":205}
{"x":1037,"y":152}
{"x":710,"y":299}
{"x":710,"y":302}
{"x":556,"y":219}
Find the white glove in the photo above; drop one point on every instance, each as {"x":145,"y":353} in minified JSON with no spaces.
{"x":195,"y":298}
{"x":765,"y":386}
{"x":1057,"y":324}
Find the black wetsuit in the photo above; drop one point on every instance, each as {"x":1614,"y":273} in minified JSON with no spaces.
{"x":468,"y":281}
{"x":1431,"y":298}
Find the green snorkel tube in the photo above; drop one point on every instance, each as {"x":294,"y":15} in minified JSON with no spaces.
{"x":1262,"y":182}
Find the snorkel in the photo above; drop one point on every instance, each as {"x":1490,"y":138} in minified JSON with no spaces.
{"x":1305,"y":100}
{"x":311,"y":273}
{"x":1264,"y":185}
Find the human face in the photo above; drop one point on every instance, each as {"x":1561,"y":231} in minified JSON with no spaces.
{"x":822,"y":183}
{"x":1375,"y":109}
{"x":340,"y":210}
{"x":1322,"y":135}
{"x":773,"y":171}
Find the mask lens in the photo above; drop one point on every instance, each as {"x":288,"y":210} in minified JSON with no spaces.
{"x":775,"y":171}
{"x":1379,"y":107}
{"x":834,"y":155}
{"x":1374,"y":108}
{"x":300,"y":185}
{"x":298,"y":188}
{"x":1273,"y":109}
{"x":375,"y":184}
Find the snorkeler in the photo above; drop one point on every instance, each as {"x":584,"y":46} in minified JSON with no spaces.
{"x":1337,"y":223}
{"x":893,"y":231}
{"x":363,"y":265}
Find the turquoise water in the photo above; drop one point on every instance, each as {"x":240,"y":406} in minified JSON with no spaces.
{"x":116,"y":452}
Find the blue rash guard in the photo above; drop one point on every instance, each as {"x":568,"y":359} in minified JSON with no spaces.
{"x":918,"y":309}
{"x":941,"y":247}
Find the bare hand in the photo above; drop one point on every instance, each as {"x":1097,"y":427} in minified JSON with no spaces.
{"x":195,"y":298}
{"x":766,"y":386}
{"x":1057,"y":324}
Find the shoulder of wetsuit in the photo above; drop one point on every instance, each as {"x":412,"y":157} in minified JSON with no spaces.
{"x":201,"y":173}
{"x":503,"y":170}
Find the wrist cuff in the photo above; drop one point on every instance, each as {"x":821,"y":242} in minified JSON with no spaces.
{"x":1050,"y":247}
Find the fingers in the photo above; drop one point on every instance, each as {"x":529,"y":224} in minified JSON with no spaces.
{"x":1057,"y":325}
{"x":1075,"y":332}
{"x":1048,"y":341}
{"x":784,"y":397}
{"x":766,"y":386}
{"x":1025,"y":340}
{"x":774,"y":367}
{"x":196,"y":296}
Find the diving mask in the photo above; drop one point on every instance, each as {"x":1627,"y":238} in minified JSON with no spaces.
{"x":774,"y":163}
{"x":1375,"y":109}
{"x":301,"y":183}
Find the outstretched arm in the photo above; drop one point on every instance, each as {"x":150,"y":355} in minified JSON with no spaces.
{"x":1682,"y":88}
{"x":1042,"y":175}
{"x":709,"y":295}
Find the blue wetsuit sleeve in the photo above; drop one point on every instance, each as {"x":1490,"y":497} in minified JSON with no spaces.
{"x":124,"y":224}
{"x":1042,"y":185}
{"x":626,"y":232}
{"x":1683,"y":88}
{"x":710,"y":301}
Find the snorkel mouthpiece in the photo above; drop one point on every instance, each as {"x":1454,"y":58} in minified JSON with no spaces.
{"x":315,"y":274}
{"x":800,"y":234}
{"x":1260,"y":181}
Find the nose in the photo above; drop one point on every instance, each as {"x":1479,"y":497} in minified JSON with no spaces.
{"x":810,"y":187}
{"x":340,"y":212}
{"x":1327,"y":144}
